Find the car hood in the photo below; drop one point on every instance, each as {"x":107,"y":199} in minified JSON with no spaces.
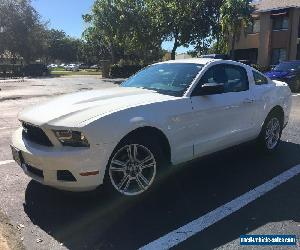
{"x":72,"y":109}
{"x":277,"y":74}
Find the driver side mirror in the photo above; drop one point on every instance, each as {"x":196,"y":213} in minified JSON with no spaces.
{"x":209,"y":89}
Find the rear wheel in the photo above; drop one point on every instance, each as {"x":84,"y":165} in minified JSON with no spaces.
{"x":270,"y":135}
{"x":132,"y":168}
{"x":298,"y":85}
{"x":295,"y":85}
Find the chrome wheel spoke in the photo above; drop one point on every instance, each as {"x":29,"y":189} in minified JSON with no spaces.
{"x":268,"y":134}
{"x":119,"y":163}
{"x":129,"y":153}
{"x":135,"y":153}
{"x":126,"y":179}
{"x":118,"y":169}
{"x":145,"y":160}
{"x":143,"y":178}
{"x":141,"y":185}
{"x":276,"y":126}
{"x":127,"y":184}
{"x":132,"y":152}
{"x":147,"y":166}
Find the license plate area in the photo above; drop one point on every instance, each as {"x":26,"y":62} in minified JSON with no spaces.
{"x":17,"y":155}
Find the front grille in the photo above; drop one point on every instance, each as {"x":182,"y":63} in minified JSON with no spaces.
{"x":35,"y":134}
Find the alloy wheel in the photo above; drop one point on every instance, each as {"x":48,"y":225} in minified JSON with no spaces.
{"x":272,"y":135}
{"x":132,"y":169}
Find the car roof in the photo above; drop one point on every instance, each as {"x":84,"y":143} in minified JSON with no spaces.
{"x":203,"y":61}
{"x":192,"y":60}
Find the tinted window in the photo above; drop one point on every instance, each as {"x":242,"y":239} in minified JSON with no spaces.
{"x":280,"y":23}
{"x":166,"y":78}
{"x":259,"y":79}
{"x":233,"y":77}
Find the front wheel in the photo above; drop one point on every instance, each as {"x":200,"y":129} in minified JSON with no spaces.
{"x":132,"y":168}
{"x":270,"y":135}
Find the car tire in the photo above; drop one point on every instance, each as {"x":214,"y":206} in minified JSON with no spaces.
{"x":295,"y":85}
{"x":270,"y":135}
{"x":133,"y":177}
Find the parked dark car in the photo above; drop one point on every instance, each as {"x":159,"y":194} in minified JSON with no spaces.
{"x":35,"y":70}
{"x":84,"y":66}
{"x":288,"y":72}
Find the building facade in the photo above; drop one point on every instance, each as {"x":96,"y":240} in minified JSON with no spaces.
{"x":274,"y":35}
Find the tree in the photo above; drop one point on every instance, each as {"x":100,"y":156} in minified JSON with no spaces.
{"x":21,"y":31}
{"x":235,"y":15}
{"x":184,"y":22}
{"x":123,"y":29}
{"x":62,"y":47}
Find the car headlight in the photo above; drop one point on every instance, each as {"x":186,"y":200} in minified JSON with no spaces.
{"x":71,"y":138}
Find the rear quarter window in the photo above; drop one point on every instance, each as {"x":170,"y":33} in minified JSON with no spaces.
{"x":259,"y":79}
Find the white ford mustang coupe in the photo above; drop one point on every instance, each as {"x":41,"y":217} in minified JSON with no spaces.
{"x":166,"y":114}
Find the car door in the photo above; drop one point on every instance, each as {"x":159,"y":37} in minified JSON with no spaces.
{"x":224,"y":119}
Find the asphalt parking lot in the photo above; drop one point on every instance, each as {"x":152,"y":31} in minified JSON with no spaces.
{"x":45,"y":218}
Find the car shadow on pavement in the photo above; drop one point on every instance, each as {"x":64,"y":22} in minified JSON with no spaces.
{"x":98,"y":220}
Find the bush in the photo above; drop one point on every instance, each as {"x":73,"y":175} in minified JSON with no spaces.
{"x":261,"y":68}
{"x":35,"y":70}
{"x":11,"y":70}
{"x":125,"y":71}
{"x":19,"y":70}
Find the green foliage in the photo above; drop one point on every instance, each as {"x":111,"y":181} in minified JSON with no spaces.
{"x":134,"y":30}
{"x":219,"y":47}
{"x":235,"y":15}
{"x":62,"y":47}
{"x":261,"y":68}
{"x":122,"y":29}
{"x":127,"y":30}
{"x":21,"y":31}
{"x":25,"y":38}
{"x":124,"y":71}
{"x":184,"y":22}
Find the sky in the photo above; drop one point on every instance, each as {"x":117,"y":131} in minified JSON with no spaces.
{"x":66,"y":15}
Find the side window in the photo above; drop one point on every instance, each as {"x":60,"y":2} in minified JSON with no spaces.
{"x":233,"y":77}
{"x":237,"y":79}
{"x":259,"y":79}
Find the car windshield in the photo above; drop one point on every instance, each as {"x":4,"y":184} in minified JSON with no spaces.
{"x":167,"y":78}
{"x":287,"y":66}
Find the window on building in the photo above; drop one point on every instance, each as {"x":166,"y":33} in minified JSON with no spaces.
{"x":280,"y":23}
{"x":259,"y":79}
{"x":278,"y":55}
{"x":254,"y":27}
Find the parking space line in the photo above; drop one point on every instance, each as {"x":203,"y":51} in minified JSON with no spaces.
{"x":6,"y":162}
{"x":296,"y":95}
{"x":183,"y":233}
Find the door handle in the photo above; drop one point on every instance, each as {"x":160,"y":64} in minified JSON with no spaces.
{"x":248,"y":100}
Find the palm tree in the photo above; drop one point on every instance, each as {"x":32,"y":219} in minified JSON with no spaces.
{"x":235,"y":16}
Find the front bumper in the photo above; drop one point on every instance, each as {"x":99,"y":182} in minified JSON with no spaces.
{"x":45,"y":164}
